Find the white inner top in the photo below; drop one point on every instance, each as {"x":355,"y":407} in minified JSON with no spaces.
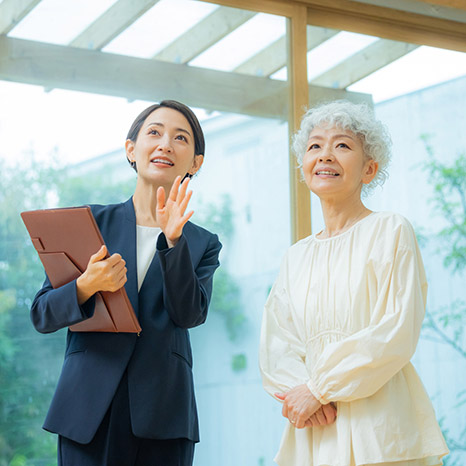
{"x":146,"y":242}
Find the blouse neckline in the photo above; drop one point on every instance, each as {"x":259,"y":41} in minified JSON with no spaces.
{"x":351,"y":228}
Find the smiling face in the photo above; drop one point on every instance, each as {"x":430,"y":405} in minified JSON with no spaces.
{"x":164,"y":148}
{"x":335,"y":164}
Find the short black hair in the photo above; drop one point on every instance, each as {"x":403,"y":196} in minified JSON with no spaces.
{"x":199,"y":142}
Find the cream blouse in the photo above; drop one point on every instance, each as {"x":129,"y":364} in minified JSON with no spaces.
{"x":344,"y":317}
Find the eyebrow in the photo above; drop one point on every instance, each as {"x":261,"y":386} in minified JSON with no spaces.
{"x":155,"y":123}
{"x":337,"y":136}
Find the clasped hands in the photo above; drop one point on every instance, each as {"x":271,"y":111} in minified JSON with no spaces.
{"x":303,"y":409}
{"x":109,"y":273}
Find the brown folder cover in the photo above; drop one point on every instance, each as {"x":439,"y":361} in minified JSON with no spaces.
{"x":65,"y":239}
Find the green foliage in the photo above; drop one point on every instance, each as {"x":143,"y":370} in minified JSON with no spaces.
{"x":7,"y":348}
{"x":30,"y":362}
{"x":461,"y":397}
{"x":226,"y":295}
{"x":217,"y":218}
{"x":239,"y":362}
{"x":26,"y":365}
{"x":457,"y":447}
{"x":449,"y":200}
{"x":93,"y":188}
{"x":226,"y":302}
{"x":448,"y":324}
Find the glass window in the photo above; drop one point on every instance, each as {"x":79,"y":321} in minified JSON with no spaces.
{"x":63,"y":148}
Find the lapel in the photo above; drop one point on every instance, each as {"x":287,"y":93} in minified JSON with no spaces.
{"x":124,"y":242}
{"x":152,"y":283}
{"x":127,"y":249}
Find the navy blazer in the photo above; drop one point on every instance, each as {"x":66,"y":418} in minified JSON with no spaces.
{"x":174,"y":297}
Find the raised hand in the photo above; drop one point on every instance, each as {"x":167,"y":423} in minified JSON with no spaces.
{"x":101,"y":275}
{"x":171,"y":215}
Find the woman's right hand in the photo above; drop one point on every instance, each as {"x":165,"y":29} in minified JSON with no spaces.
{"x":323,"y":417}
{"x":101,"y":275}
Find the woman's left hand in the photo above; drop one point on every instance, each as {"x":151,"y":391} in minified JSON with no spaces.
{"x":299,"y":404}
{"x":171,"y":215}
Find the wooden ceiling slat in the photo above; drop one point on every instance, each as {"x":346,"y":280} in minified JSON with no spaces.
{"x":13,"y":11}
{"x":204,"y":34}
{"x":363,"y":63}
{"x":111,"y":23}
{"x":273,"y":57}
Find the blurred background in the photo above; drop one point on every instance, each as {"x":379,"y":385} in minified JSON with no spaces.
{"x":74,"y":75}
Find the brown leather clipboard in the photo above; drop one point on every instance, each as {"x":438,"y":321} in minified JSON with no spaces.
{"x":65,"y":239}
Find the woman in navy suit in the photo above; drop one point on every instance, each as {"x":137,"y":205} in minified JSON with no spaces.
{"x":127,"y":399}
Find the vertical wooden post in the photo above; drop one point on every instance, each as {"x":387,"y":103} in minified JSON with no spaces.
{"x":298,"y":102}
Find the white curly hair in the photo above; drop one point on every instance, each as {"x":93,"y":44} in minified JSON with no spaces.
{"x":357,"y":118}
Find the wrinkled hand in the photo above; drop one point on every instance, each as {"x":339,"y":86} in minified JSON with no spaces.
{"x":299,"y":404}
{"x":171,"y":215}
{"x":324,"y":416}
{"x":101,"y":275}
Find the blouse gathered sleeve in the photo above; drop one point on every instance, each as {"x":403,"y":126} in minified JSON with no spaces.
{"x":54,"y":309}
{"x":282,"y":351}
{"x":360,"y":364}
{"x":187,"y":288}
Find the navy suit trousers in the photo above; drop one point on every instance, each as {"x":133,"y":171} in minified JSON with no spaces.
{"x":115,"y":444}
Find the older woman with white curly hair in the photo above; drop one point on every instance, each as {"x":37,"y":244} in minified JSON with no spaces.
{"x":343,"y":318}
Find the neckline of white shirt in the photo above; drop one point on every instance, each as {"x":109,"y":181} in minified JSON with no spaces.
{"x":344,"y":232}
{"x":148,"y":228}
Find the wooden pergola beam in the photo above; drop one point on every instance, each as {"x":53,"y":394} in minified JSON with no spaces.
{"x":363,"y":63}
{"x":387,"y":23}
{"x":204,"y":34}
{"x":459,"y":4}
{"x":274,"y":57}
{"x":13,"y":11}
{"x":111,"y":23}
{"x":64,"y":67}
{"x":272,"y":7}
{"x":56,"y":66}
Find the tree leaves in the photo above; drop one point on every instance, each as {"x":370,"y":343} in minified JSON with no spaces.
{"x":448,"y":324}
